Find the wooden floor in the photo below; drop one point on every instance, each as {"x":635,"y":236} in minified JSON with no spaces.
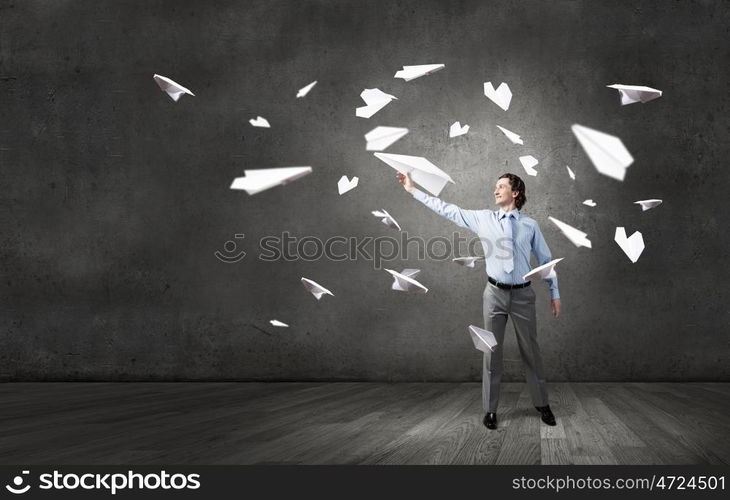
{"x":360,"y":423}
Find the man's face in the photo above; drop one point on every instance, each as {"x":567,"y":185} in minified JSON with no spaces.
{"x":503,"y":194}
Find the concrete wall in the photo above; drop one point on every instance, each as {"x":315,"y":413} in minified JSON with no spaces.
{"x":115,"y":198}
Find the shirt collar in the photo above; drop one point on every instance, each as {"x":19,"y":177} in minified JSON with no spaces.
{"x":501,"y":213}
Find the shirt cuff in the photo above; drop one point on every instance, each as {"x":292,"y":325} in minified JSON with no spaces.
{"x":418,"y":194}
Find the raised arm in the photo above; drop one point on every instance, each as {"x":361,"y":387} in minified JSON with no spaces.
{"x":464,"y":218}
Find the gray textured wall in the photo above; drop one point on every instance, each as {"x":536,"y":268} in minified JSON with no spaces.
{"x":114,"y":198}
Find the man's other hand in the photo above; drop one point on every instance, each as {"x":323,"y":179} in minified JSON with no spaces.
{"x":555,"y":306}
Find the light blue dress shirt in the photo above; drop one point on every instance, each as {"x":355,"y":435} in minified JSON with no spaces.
{"x":486,"y":224}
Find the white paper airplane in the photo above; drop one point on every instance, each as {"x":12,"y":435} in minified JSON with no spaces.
{"x":404,"y":282}
{"x":305,"y":90}
{"x":409,"y":73}
{"x":630,"y":94}
{"x":375,"y":100}
{"x":516,"y":139}
{"x":501,"y":97}
{"x":590,"y":203}
{"x":276,"y":322}
{"x":528,"y":162}
{"x":173,"y":89}
{"x":344,"y":185}
{"x":607,"y":152}
{"x":422,"y":171}
{"x":570,"y":172}
{"x":632,"y":246}
{"x":543,"y":272}
{"x":315,"y":288}
{"x":386,"y":219}
{"x":577,"y":237}
{"x":456,"y":129}
{"x":484,"y":340}
{"x":262,"y":179}
{"x":648,"y":204}
{"x":260,"y":121}
{"x":467,"y":261}
{"x":380,"y":138}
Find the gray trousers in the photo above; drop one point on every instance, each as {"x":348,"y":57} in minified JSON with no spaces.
{"x":520,"y":305}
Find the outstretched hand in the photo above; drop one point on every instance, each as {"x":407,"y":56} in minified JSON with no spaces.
{"x":406,"y":181}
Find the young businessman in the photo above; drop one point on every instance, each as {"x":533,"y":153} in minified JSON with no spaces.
{"x":508,"y":237}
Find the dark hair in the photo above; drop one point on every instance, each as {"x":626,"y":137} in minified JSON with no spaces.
{"x":516,"y":184}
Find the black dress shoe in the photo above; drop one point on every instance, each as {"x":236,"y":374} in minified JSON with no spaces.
{"x":546,"y":414}
{"x":490,"y":420}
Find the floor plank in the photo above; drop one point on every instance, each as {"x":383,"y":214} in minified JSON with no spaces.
{"x":584,"y":441}
{"x":626,"y":446}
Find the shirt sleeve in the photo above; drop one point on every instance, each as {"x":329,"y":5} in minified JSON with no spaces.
{"x":543,"y":256}
{"x":468,"y":219}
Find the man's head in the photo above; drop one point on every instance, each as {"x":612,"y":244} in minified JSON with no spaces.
{"x":510,"y":189}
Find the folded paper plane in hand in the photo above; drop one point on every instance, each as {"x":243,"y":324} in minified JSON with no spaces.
{"x":607,"y":152}
{"x":577,"y":237}
{"x":386,"y":219}
{"x":528,"y":162}
{"x":409,"y":73}
{"x":543,"y":272}
{"x":173,"y":89}
{"x":380,"y":138}
{"x":467,"y":261}
{"x":501,"y":97}
{"x":422,"y":171}
{"x":315,"y":288}
{"x":484,"y":340}
{"x":344,"y":185}
{"x":262,"y":179}
{"x":305,"y":90}
{"x":516,"y":139}
{"x":375,"y":100}
{"x":648,"y":204}
{"x":456,"y":129}
{"x":630,"y":94}
{"x":404,"y":282}
{"x":632,"y":246}
{"x":259,"y":121}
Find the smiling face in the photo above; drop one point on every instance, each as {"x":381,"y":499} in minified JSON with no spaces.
{"x":503,"y":194}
